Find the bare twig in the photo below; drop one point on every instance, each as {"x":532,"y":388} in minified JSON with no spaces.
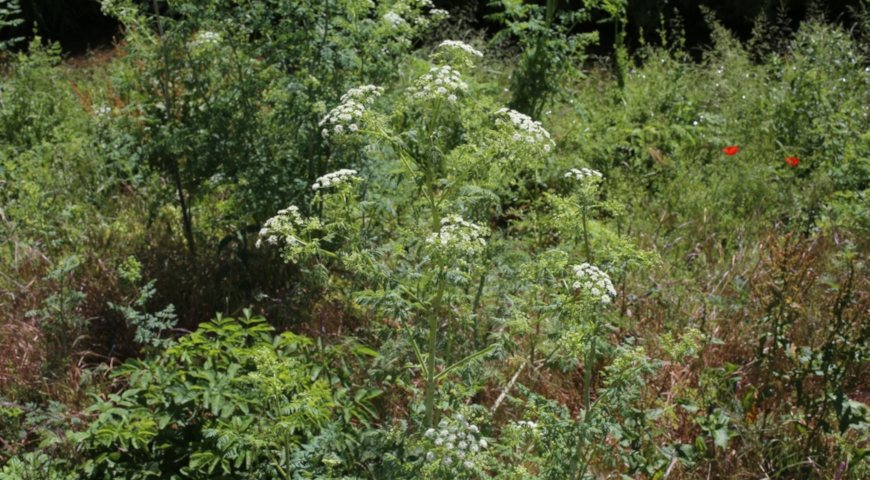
{"x":507,"y":389}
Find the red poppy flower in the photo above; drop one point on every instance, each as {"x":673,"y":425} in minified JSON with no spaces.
{"x":731,"y":150}
{"x":793,"y":161}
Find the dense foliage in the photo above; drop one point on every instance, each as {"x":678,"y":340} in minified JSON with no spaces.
{"x":326,"y":239}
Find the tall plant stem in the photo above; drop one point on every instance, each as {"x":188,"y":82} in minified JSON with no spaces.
{"x":586,"y":237}
{"x":430,"y":373}
{"x":587,"y":380}
{"x":176,"y":169}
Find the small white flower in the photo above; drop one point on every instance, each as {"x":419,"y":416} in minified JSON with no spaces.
{"x":447,"y":460}
{"x":439,"y":441}
{"x":448,"y":446}
{"x":482,"y":443}
{"x":468,"y":464}
{"x":473,"y":429}
{"x":430,"y":432}
{"x":462,"y":46}
{"x":583,"y":173}
{"x":593,"y":280}
{"x":430,"y":456}
{"x":394,"y":19}
{"x":442,"y":424}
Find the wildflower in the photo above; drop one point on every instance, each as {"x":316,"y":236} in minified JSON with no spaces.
{"x":447,"y":460}
{"x":351,"y":111}
{"x":524,"y":128}
{"x":206,"y":38}
{"x":468,"y":464}
{"x":588,"y":277}
{"x":441,"y":82}
{"x":394,"y":19}
{"x":439,"y":441}
{"x":430,"y":432}
{"x":793,"y":161}
{"x":732,"y":150}
{"x":334,"y":178}
{"x":442,"y":424}
{"x":458,"y":236}
{"x":482,"y":443}
{"x":430,"y":456}
{"x":462,"y":46}
{"x":583,"y":173}
{"x":283,"y":225}
{"x":448,"y":446}
{"x":473,"y":429}
{"x":462,"y":445}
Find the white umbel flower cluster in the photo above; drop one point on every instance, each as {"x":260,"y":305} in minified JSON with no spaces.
{"x":526,"y":429}
{"x":583,"y":173}
{"x":459,"y":237}
{"x":282,"y":228}
{"x":455,"y":441}
{"x":333,"y":179}
{"x":440,"y":82}
{"x":462,"y":46}
{"x":363,"y":93}
{"x":525,"y":129}
{"x":594,"y":282}
{"x":206,"y":38}
{"x":347,"y":116}
{"x":394,"y":19}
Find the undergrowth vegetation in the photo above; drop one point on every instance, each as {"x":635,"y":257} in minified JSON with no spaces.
{"x":339,"y":239}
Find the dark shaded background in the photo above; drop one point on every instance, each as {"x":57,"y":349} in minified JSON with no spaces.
{"x":79,"y":25}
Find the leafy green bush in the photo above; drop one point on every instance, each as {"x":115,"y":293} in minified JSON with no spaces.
{"x":231,"y":400}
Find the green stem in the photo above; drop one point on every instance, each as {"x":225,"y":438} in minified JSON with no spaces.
{"x":476,"y":306}
{"x":586,"y":237}
{"x":430,"y":374}
{"x":587,"y":380}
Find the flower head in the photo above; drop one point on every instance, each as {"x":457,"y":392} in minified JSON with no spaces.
{"x":441,"y":82}
{"x":594,"y":282}
{"x":283,"y":226}
{"x":458,"y":237}
{"x":522,"y":129}
{"x":334,"y":178}
{"x":793,"y":161}
{"x":461,"y":46}
{"x":352,"y":111}
{"x":583,"y":173}
{"x":732,"y":150}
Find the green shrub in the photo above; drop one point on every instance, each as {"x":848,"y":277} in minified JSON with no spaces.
{"x":231,"y":400}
